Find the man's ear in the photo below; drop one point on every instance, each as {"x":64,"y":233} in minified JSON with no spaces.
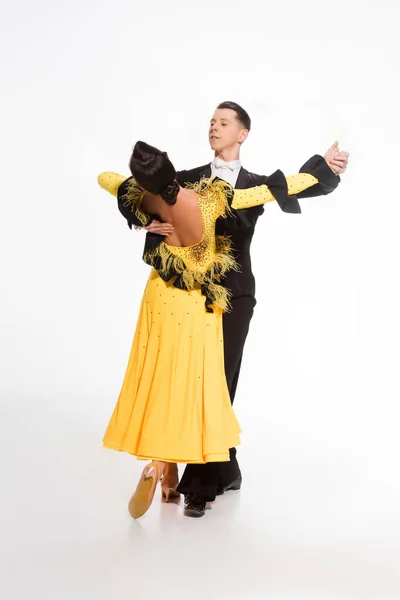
{"x":243,"y":136}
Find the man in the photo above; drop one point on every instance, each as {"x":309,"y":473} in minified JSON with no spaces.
{"x":229,"y":128}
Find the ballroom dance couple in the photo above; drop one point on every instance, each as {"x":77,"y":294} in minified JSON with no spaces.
{"x":175,"y":405}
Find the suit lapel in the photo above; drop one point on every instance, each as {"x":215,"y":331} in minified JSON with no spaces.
{"x":243,"y":179}
{"x":195,"y":175}
{"x":205,"y":172}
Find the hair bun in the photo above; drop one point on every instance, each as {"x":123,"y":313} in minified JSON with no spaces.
{"x":170,"y":192}
{"x":153,"y":170}
{"x":143,"y":153}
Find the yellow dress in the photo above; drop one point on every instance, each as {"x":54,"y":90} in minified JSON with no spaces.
{"x":174,"y":404}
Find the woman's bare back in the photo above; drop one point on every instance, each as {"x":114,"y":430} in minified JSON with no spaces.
{"x":184,"y":216}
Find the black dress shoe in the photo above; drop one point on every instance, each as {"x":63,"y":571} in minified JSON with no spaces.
{"x":234,"y":485}
{"x":195,"y":505}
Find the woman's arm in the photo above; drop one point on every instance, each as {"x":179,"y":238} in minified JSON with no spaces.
{"x":278,"y":187}
{"x":327,"y":181}
{"x":110,"y":182}
{"x":130,"y":195}
{"x":300,"y":182}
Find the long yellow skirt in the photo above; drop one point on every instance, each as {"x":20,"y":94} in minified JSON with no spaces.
{"x":174,"y":404}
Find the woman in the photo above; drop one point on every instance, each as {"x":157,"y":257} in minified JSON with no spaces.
{"x":174,"y":404}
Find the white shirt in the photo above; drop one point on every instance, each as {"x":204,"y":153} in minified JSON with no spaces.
{"x":228,"y":171}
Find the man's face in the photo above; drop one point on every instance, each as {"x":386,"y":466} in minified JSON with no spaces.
{"x":226,"y":131}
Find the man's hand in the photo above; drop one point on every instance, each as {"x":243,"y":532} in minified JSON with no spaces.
{"x":336,"y":159}
{"x":160,"y":228}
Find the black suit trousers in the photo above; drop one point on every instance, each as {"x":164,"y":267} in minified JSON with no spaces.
{"x":205,"y":479}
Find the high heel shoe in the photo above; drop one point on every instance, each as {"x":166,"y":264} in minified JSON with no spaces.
{"x":169,"y":482}
{"x":141,"y":500}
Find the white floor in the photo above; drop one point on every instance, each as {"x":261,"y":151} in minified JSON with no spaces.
{"x":301,"y":528}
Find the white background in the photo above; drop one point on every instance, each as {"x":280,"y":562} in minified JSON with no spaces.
{"x":318,"y":515}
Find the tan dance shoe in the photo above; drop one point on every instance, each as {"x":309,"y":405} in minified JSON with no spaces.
{"x":141,"y":500}
{"x":169,"y":482}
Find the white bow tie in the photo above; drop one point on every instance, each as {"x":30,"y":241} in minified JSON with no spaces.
{"x":221,"y":164}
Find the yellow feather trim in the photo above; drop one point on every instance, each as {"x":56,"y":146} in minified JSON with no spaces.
{"x":218,"y":192}
{"x":133,"y":197}
{"x":222,"y":262}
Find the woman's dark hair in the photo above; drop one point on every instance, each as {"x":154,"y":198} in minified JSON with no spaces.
{"x":153,"y":170}
{"x":241,"y":114}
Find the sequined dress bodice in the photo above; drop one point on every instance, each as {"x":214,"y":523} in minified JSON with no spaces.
{"x":201,"y":255}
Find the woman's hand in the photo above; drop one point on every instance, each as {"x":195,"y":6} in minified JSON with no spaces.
{"x":165,"y":229}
